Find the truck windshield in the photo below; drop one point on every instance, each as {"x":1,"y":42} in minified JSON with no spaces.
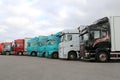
{"x":7,"y":46}
{"x":51,"y":42}
{"x":33,"y":44}
{"x":17,"y":45}
{"x":85,"y":36}
{"x":43,"y":43}
{"x":63,"y":38}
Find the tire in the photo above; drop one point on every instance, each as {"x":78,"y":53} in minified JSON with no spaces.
{"x":72,"y":56}
{"x":20,"y":53}
{"x":33,"y":54}
{"x":0,"y":53}
{"x":43,"y":54}
{"x":55,"y":55}
{"x":7,"y":53}
{"x":102,"y":57}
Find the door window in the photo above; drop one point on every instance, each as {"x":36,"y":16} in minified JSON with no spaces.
{"x":69,"y":37}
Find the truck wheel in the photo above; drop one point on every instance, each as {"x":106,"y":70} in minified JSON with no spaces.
{"x":55,"y":55}
{"x":43,"y":54}
{"x":72,"y":56}
{"x":33,"y":54}
{"x":102,"y":57}
{"x":20,"y":53}
{"x":7,"y":53}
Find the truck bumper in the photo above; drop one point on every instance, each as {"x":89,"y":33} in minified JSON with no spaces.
{"x":90,"y":56}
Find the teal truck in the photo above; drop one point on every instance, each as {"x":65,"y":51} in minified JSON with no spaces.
{"x":42,"y":46}
{"x":52,"y":46}
{"x":32,"y":48}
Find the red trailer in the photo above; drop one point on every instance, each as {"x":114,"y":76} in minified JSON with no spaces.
{"x":1,"y":48}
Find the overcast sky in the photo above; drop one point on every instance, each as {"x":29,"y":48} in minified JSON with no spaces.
{"x":30,"y":18}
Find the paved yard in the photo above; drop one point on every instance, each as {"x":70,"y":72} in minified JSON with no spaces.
{"x":35,"y":68}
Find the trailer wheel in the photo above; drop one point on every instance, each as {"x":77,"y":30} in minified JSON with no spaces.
{"x":7,"y":53}
{"x":102,"y":56}
{"x":72,"y":56}
{"x":20,"y":53}
{"x":33,"y":54}
{"x":55,"y":55}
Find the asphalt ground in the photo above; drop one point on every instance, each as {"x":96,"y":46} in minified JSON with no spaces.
{"x":36,"y":68}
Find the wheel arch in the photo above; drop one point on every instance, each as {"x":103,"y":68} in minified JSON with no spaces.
{"x":107,"y":52}
{"x":72,"y":51}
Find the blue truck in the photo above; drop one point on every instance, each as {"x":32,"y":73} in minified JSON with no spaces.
{"x":42,"y":46}
{"x":32,"y":48}
{"x":52,"y":46}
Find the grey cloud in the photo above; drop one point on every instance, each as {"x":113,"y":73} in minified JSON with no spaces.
{"x":79,"y":12}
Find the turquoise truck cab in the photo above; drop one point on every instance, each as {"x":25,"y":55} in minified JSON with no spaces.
{"x":32,"y":47}
{"x":52,"y":46}
{"x":42,"y":46}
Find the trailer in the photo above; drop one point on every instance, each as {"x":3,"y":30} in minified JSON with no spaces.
{"x":69,"y":45}
{"x":1,"y":48}
{"x":100,"y":40}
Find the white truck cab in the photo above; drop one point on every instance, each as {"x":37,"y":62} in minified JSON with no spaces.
{"x":69,"y":46}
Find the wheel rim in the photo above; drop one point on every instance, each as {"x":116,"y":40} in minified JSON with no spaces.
{"x":43,"y":55}
{"x":55,"y":55}
{"x":7,"y":53}
{"x":72,"y":57}
{"x":103,"y":57}
{"x":20,"y":53}
{"x":33,"y":54}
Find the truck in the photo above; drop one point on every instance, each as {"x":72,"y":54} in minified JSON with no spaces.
{"x":1,"y":48}
{"x":42,"y":46}
{"x":7,"y":48}
{"x":32,"y":48}
{"x":69,"y":45}
{"x":52,"y":46}
{"x":100,"y":40}
{"x":20,"y":46}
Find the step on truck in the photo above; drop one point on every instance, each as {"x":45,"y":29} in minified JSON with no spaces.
{"x":100,"y":41}
{"x":69,"y":45}
{"x":20,"y":46}
{"x":52,"y":46}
